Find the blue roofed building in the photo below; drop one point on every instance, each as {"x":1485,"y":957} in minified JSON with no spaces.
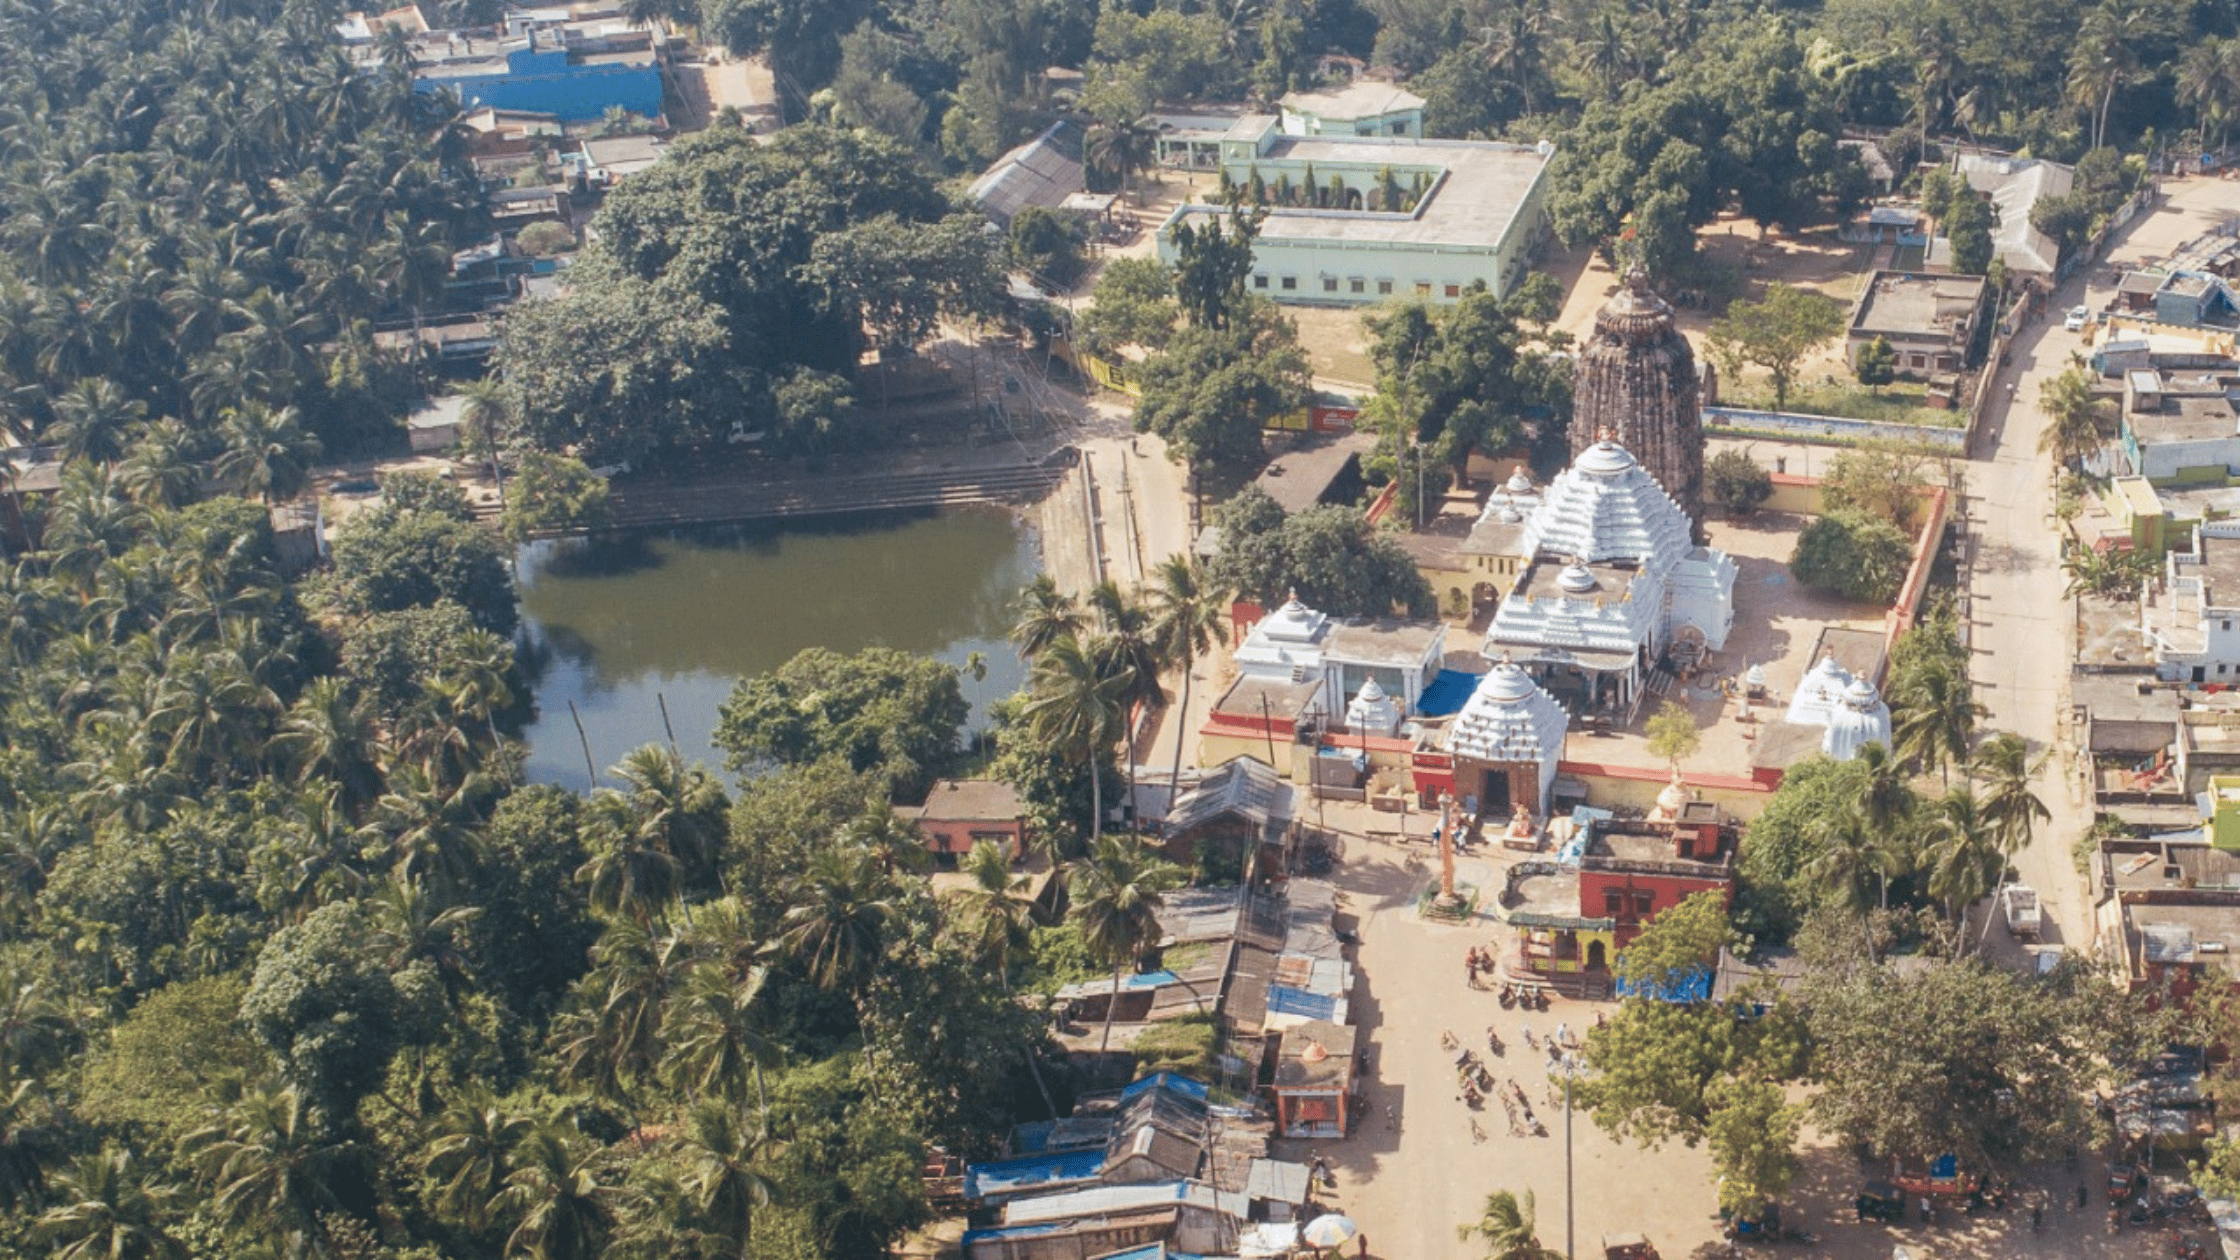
{"x":575,"y":72}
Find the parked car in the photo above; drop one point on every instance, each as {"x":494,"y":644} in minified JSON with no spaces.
{"x":2078,"y":317}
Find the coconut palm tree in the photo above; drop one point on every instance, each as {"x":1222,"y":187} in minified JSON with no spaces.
{"x":95,"y":420}
{"x":726,"y":1170}
{"x":715,"y":1047}
{"x":1046,"y":614}
{"x":467,"y":1153}
{"x":30,"y":1141}
{"x":1508,"y":1227}
{"x":836,"y":925}
{"x":1116,"y":900}
{"x":561,"y":1210}
{"x":2010,"y":809}
{"x":1936,"y":718}
{"x":275,"y":1171}
{"x":630,"y":874}
{"x":111,"y":1210}
{"x":1185,"y":618}
{"x":267,"y":453}
{"x":680,"y":808}
{"x":1120,"y":151}
{"x":1855,"y":857}
{"x":1960,"y":853}
{"x":327,"y":735}
{"x":995,"y":915}
{"x":2073,"y":431}
{"x":1075,"y":708}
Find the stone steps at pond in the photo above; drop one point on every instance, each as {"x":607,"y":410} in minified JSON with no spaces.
{"x":644,"y":503}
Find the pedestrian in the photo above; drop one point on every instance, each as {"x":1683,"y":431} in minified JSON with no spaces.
{"x":1926,"y":1208}
{"x":1361,"y":1246}
{"x":2080,"y":1196}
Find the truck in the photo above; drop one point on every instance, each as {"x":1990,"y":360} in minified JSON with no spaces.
{"x":2020,"y":904}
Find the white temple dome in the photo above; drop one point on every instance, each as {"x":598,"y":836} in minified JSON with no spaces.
{"x":1518,"y":482}
{"x":1509,"y":515}
{"x":1861,"y":719}
{"x":1606,"y":459}
{"x":1508,"y":718}
{"x":1575,"y":579}
{"x":1372,"y":710}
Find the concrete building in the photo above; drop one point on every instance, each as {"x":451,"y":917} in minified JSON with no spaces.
{"x":2168,"y":907}
{"x":2181,"y":427}
{"x":1297,"y":644}
{"x":575,"y":71}
{"x":2189,"y":616}
{"x":1572,"y":915}
{"x":1370,"y":218}
{"x":1637,"y":385}
{"x":1928,"y":319}
{"x":1614,"y":584}
{"x":1363,"y":107}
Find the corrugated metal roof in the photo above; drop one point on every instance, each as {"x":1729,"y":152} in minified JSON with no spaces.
{"x":1100,"y":1199}
{"x":1247,"y":788}
{"x":1042,"y":172}
{"x":1277,"y":1179}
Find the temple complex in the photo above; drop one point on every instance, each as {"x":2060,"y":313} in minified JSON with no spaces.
{"x":1637,"y":381}
{"x":1609,"y":583}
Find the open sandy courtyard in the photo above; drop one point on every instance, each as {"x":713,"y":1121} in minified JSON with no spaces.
{"x":1412,"y":1171}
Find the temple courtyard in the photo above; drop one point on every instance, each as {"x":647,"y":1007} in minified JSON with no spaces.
{"x":1412,"y":1169}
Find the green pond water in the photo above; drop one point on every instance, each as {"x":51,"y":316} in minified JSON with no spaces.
{"x":620,"y":624}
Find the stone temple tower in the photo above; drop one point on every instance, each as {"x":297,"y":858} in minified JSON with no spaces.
{"x":1637,"y":385}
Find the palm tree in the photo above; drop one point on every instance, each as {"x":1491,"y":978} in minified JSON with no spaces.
{"x":325,"y":734}
{"x":274,"y":1170}
{"x":1046,"y":614}
{"x":1116,"y":900}
{"x":1961,"y":854}
{"x":1074,"y":707}
{"x":2074,"y":431}
{"x":1121,"y":151}
{"x":1936,"y":719}
{"x":485,"y":418}
{"x":2010,"y":809}
{"x":267,"y":452}
{"x":30,"y":1142}
{"x":1509,"y":1228}
{"x":1855,"y":858}
{"x":725,"y":1173}
{"x":680,"y":808}
{"x":630,"y":873}
{"x":715,"y":1048}
{"x":94,"y":421}
{"x":112,"y":1212}
{"x":1185,"y":618}
{"x":160,"y":471}
{"x":563,"y":1211}
{"x":836,"y":925}
{"x":2102,"y":59}
{"x":467,"y":1154}
{"x":995,"y":915}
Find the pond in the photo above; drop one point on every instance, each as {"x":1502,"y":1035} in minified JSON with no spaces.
{"x":622,"y":625}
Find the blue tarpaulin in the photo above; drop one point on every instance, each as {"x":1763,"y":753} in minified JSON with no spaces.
{"x":1447,"y":693}
{"x":1679,"y":986}
{"x":1289,"y":1001}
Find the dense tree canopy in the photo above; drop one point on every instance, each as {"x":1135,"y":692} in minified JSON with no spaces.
{"x":1331,"y":557}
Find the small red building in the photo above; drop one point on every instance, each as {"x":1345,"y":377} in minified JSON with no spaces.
{"x":1574,"y":913}
{"x":960,"y":813}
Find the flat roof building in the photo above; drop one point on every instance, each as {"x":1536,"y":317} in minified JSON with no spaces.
{"x":1927,"y":319}
{"x":1357,"y":219}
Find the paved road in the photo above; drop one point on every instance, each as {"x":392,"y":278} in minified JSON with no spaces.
{"x":2023,"y":623}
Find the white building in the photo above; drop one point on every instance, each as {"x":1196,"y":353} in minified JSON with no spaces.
{"x":1354,"y":219}
{"x":1364,"y":107}
{"x":1613,"y":583}
{"x":1506,"y":742}
{"x":2189,"y":618}
{"x":1297,"y":644}
{"x":1848,"y":710}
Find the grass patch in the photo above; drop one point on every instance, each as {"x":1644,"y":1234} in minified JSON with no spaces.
{"x":1183,"y":957}
{"x":1902,"y":403}
{"x":1183,"y":1045}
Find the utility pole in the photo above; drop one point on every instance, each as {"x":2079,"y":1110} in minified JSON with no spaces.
{"x":1570,"y":1200}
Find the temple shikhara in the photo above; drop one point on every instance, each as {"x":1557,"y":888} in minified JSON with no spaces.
{"x":1610,"y":583}
{"x":1637,"y":383}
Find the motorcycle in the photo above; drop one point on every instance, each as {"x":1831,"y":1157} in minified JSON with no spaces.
{"x":1493,"y":1042}
{"x":1508,"y":997}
